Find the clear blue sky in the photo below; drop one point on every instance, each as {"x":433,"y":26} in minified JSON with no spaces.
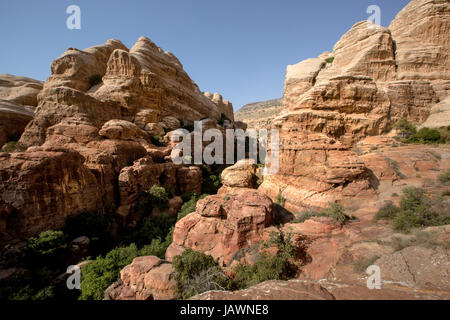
{"x":239,"y":48}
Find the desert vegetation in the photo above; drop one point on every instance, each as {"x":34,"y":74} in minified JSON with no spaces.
{"x":416,"y":210}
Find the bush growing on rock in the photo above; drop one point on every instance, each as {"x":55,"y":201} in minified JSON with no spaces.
{"x":268,"y":266}
{"x":103,"y":271}
{"x":280,"y":200}
{"x":157,"y":141}
{"x":426,"y":136}
{"x":334,"y":210}
{"x":405,"y":128}
{"x":150,"y":228}
{"x":212,"y":178}
{"x":155,"y":197}
{"x":416,"y":210}
{"x":444,"y":178}
{"x":46,"y":247}
{"x":197,"y":272}
{"x":157,"y":247}
{"x":13,"y":146}
{"x":388,"y":211}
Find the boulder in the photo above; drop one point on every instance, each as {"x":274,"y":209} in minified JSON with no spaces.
{"x":222,"y":225}
{"x":146,"y":278}
{"x":122,"y":130}
{"x":240,"y":175}
{"x":170,"y":123}
{"x":154,"y":129}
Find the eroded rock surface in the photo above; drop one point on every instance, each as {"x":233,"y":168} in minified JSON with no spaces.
{"x":373,"y":77}
{"x":222,"y":225}
{"x":146,"y":278}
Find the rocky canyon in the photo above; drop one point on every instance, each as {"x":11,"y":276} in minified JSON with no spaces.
{"x":87,"y":177}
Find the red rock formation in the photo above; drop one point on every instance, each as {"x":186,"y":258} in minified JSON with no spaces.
{"x":146,"y":278}
{"x":223,"y":224}
{"x":40,"y":188}
{"x":378,"y":76}
{"x":103,"y":123}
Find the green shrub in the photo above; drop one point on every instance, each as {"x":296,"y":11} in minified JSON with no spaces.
{"x":335,"y":211}
{"x":191,"y":265}
{"x":266,"y":267}
{"x":329,"y":60}
{"x":157,"y":247}
{"x":155,"y":197}
{"x":157,"y":141}
{"x":280,"y":200}
{"x":283,"y":243}
{"x":95,"y":79}
{"x":405,"y":128}
{"x":388,"y":211}
{"x":102,"y":272}
{"x":212,"y":178}
{"x":18,"y":287}
{"x":13,"y":146}
{"x":445,"y":134}
{"x":150,"y":228}
{"x":416,"y":210}
{"x":46,"y":247}
{"x":444,"y":178}
{"x":304,"y":215}
{"x":426,"y":136}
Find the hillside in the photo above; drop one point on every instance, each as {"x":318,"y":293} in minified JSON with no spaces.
{"x":259,"y":114}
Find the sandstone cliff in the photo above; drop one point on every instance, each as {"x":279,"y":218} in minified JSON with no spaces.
{"x":373,"y":77}
{"x":93,"y":132}
{"x":18,"y":99}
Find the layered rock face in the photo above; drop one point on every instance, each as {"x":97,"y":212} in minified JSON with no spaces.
{"x":41,"y":187}
{"x":103,"y":105}
{"x":13,"y":120}
{"x":18,"y":99}
{"x":223,"y":224}
{"x":373,"y":77}
{"x":20,"y":90}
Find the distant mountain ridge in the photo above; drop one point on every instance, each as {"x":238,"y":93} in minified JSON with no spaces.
{"x":259,"y":114}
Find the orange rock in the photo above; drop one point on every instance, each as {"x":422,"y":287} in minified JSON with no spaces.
{"x":223,"y":224}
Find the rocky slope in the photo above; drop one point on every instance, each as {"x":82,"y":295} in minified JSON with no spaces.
{"x":338,"y":109}
{"x":259,"y":114}
{"x":373,"y":77}
{"x":92,"y":135}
